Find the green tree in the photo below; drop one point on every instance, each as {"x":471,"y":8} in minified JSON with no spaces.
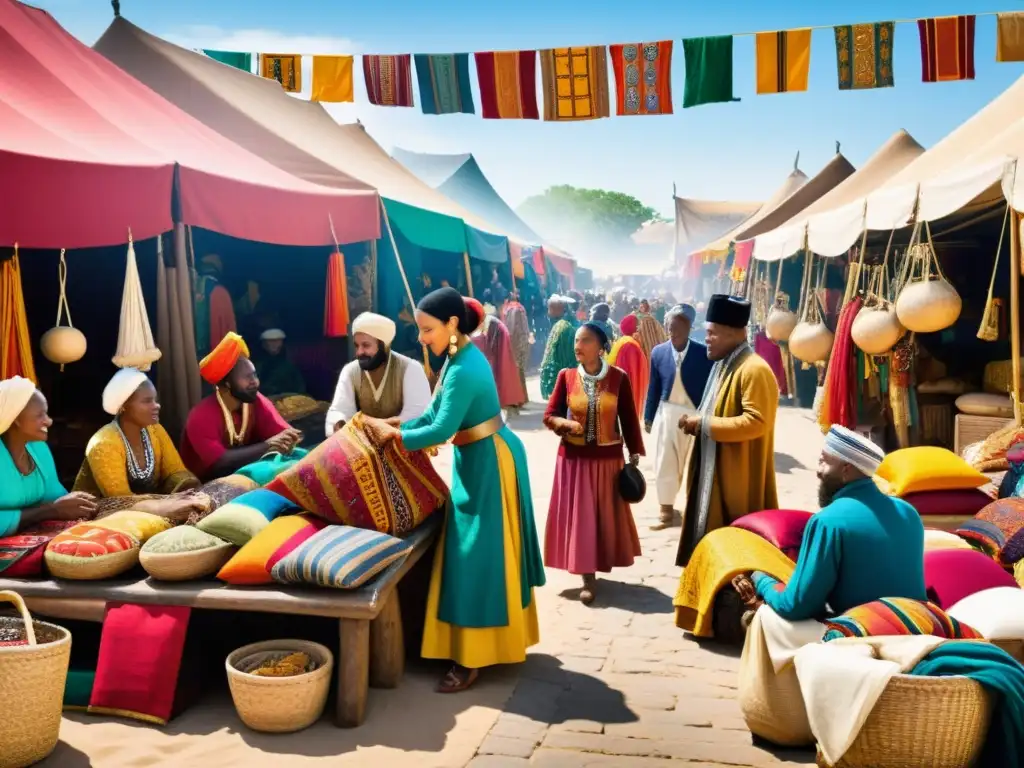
{"x":566,"y":213}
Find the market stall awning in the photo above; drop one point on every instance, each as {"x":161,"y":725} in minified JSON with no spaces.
{"x":87,"y":151}
{"x":701,"y":222}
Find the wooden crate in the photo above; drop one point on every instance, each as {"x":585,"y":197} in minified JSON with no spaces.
{"x":971,"y":429}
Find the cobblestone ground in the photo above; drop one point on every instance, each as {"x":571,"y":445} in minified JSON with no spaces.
{"x":616,"y":684}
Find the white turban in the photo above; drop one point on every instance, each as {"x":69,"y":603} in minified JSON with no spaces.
{"x":120,"y":388}
{"x":14,"y":396}
{"x":846,"y":445}
{"x":273,"y":334}
{"x":375,"y":325}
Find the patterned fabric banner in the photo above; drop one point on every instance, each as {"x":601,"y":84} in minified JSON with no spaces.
{"x":286,"y":68}
{"x":864,"y":55}
{"x":389,"y":80}
{"x":1010,"y":37}
{"x":332,"y":79}
{"x":508,"y":84}
{"x":708,"y":70}
{"x":947,"y":48}
{"x":643,"y":78}
{"x":783,"y":60}
{"x":575,"y":83}
{"x":236,"y":59}
{"x":444,"y":83}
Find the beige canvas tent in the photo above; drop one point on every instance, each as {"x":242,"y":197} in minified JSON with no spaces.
{"x":700,"y":222}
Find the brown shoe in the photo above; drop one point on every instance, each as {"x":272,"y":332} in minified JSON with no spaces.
{"x":668,"y":519}
{"x":589,"y":590}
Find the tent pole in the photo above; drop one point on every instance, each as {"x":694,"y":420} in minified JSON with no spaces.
{"x":469,"y":273}
{"x":1015,"y":270}
{"x":398,"y":258}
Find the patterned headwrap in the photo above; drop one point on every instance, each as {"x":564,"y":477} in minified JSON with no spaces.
{"x":628,"y":325}
{"x":846,"y":445}
{"x":216,"y":366}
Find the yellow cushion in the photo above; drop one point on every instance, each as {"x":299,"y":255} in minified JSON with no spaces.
{"x":927,"y":468}
{"x":142,"y":525}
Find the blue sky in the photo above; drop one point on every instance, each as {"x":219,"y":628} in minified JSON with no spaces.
{"x":738,"y":151}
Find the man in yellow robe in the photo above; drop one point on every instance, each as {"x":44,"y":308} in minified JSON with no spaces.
{"x":732,"y":464}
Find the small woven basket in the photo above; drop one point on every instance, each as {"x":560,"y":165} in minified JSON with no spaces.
{"x":185,"y":566}
{"x":32,"y":688}
{"x":940,"y":722}
{"x":91,"y":568}
{"x":279,"y":704}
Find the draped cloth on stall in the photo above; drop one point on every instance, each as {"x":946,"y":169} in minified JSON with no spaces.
{"x":643,"y":78}
{"x":1010,"y":36}
{"x":840,"y":405}
{"x":783,"y":60}
{"x":575,"y":83}
{"x":864,"y":55}
{"x":507,"y":84}
{"x":444,"y":83}
{"x":389,"y":80}
{"x":15,"y":341}
{"x":947,"y":48}
{"x":708,"y":70}
{"x":333,"y":79}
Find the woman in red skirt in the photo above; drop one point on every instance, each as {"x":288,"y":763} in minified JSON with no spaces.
{"x":590,"y":527}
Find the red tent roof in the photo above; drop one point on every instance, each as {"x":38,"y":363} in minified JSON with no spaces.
{"x":86,"y":152}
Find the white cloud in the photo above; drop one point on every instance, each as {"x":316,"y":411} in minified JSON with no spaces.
{"x":260,"y":40}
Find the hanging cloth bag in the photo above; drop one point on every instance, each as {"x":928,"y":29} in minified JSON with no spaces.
{"x":135,"y":345}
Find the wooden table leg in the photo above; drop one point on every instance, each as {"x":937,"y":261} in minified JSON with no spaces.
{"x":387,"y":645}
{"x":353,"y":661}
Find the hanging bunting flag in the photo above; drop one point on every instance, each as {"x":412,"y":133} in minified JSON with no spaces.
{"x":708,"y":70}
{"x":389,"y":80}
{"x":783,"y":60}
{"x":236,"y":59}
{"x":508,"y":85}
{"x":947,"y":48}
{"x":643,"y":78}
{"x":444,"y":83}
{"x":575,"y":83}
{"x":1010,"y":37}
{"x":286,"y":68}
{"x":332,"y":79}
{"x":864,"y":55}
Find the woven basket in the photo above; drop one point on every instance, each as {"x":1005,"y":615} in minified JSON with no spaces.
{"x":32,"y":692}
{"x":940,"y":722}
{"x":185,"y":566}
{"x":1013,"y":647}
{"x":91,"y":568}
{"x":279,"y":704}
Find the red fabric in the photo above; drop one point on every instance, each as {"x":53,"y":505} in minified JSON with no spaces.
{"x":336,"y":298}
{"x":744,"y":251}
{"x":539,"y":267}
{"x":633,"y":361}
{"x":839,"y":380}
{"x":562,"y":264}
{"x":629,"y":325}
{"x":94,"y":152}
{"x":140,"y":657}
{"x":769,"y":351}
{"x":494,"y":101}
{"x":222,"y":315}
{"x":782,"y":528}
{"x":21,"y":555}
{"x":950,"y":575}
{"x":963,"y":502}
{"x":205,"y":439}
{"x":496,"y":344}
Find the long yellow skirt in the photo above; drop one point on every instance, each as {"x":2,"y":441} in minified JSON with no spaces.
{"x":476,"y":647}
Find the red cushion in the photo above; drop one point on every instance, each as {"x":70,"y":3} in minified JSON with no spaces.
{"x":950,"y":575}
{"x":968,"y":501}
{"x":783,"y":528}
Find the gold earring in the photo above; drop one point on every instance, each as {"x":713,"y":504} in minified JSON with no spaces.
{"x":453,"y":344}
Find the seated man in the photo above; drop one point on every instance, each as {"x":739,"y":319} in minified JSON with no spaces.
{"x":236,"y":425}
{"x":861,"y":546}
{"x":380,"y":382}
{"x":278,"y":375}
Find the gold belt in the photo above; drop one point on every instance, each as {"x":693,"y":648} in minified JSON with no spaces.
{"x":474,"y":434}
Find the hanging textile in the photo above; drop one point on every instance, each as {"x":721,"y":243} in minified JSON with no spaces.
{"x":336,"y":298}
{"x":389,"y":80}
{"x":864,"y":55}
{"x":236,"y":59}
{"x":286,"y":68}
{"x":1010,"y":36}
{"x":508,"y":84}
{"x":135,"y":345}
{"x":783,"y":60}
{"x":643,"y":78}
{"x":332,"y":79}
{"x":15,"y":341}
{"x":444,"y":83}
{"x":840,"y":405}
{"x":708,"y":70}
{"x":947,"y":48}
{"x":575,"y":83}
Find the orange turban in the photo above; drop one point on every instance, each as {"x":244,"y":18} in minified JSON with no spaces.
{"x":628,"y":325}
{"x":216,"y":366}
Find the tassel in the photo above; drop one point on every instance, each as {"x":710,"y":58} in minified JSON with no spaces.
{"x":336,"y":297}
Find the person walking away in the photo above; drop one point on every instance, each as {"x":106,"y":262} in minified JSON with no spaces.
{"x":559,"y":352}
{"x":518,"y":325}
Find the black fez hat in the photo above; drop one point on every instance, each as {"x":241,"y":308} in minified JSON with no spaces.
{"x":726,"y":310}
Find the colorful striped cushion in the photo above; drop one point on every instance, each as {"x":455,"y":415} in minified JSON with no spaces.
{"x":239,"y":520}
{"x":897,"y":616}
{"x":340,"y":556}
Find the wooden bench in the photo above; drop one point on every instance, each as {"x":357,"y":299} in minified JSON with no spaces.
{"x":371,"y":646}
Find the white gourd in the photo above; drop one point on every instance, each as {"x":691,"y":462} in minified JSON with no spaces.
{"x":928,"y":306}
{"x":811,"y":342}
{"x":876,"y":330}
{"x":780,"y":324}
{"x":63,"y":344}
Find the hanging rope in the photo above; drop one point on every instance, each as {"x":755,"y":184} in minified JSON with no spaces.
{"x":62,"y":303}
{"x":135,"y":345}
{"x":988,"y":330}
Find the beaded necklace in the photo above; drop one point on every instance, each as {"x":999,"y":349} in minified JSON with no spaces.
{"x":135,"y":472}
{"x":235,"y":439}
{"x":590,"y":382}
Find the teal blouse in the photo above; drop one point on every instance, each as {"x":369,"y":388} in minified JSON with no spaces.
{"x":18,"y":492}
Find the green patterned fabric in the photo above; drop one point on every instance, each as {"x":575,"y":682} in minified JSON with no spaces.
{"x":559,"y":353}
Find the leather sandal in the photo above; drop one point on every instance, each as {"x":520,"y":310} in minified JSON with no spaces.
{"x":457,"y":679}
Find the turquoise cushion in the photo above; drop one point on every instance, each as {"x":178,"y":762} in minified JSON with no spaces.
{"x":239,"y":520}
{"x":340,"y":556}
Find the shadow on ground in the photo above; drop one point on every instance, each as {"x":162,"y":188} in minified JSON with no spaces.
{"x":636,"y":598}
{"x":549,"y":693}
{"x":785,"y":464}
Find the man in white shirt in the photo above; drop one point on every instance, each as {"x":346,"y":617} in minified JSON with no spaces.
{"x":380,"y":383}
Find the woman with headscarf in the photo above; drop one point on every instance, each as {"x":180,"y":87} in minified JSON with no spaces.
{"x":628,"y":354}
{"x":480,"y":606}
{"x":590,"y":527}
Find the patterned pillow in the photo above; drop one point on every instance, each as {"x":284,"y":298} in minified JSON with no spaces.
{"x":350,"y":479}
{"x":238,"y":521}
{"x":783,"y":528}
{"x":184,"y":538}
{"x":999,"y":529}
{"x":90,"y":551}
{"x":21,"y":555}
{"x":950,"y":575}
{"x":928,"y":468}
{"x":340,"y":556}
{"x":253,"y":562}
{"x":221,"y":492}
{"x":897,"y":616}
{"x":140,"y":525}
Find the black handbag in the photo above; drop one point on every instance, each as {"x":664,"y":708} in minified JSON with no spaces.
{"x":632,"y":484}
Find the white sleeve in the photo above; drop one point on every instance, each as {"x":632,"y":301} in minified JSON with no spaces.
{"x":343,"y":407}
{"x":416,"y":393}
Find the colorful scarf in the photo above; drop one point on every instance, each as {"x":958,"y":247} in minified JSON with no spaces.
{"x":15,"y":341}
{"x":575,"y":83}
{"x":708,"y":70}
{"x":21,"y":555}
{"x":840,"y":378}
{"x":783,"y":60}
{"x":947,"y":48}
{"x":235,"y":59}
{"x":444,"y":83}
{"x":286,"y":68}
{"x":332,"y":79}
{"x":643,"y":78}
{"x":1010,"y":37}
{"x":508,"y":85}
{"x":389,"y":80}
{"x":864,"y":55}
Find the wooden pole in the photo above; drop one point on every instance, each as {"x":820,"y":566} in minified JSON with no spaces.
{"x":469,"y":274}
{"x":398,"y":258}
{"x":1015,"y":270}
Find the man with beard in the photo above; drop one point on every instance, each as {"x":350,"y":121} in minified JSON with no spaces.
{"x":861,"y":546}
{"x":236,"y":425}
{"x":379,"y":382}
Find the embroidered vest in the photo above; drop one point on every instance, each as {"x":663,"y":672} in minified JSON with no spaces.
{"x":601,"y":424}
{"x":391,"y":395}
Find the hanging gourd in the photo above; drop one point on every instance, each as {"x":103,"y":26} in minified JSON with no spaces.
{"x":991,"y":318}
{"x":928,"y":303}
{"x":811,"y":340}
{"x":876,"y":329}
{"x":135,"y":345}
{"x":63,"y":344}
{"x":781,"y":321}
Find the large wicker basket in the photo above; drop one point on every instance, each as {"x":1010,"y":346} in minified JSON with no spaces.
{"x":32,"y":691}
{"x":940,"y":722}
{"x":106,"y":566}
{"x":279,"y":704}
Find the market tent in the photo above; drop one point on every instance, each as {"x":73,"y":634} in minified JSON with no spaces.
{"x":701,"y":222}
{"x":94,"y":152}
{"x":818,"y":222}
{"x":299,"y":137}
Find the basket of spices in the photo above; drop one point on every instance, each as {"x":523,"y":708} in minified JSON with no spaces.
{"x":280,"y":686}
{"x":34,"y":658}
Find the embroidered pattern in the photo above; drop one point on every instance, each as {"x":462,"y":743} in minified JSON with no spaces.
{"x":643,"y":78}
{"x":286,"y":68}
{"x":389,"y":80}
{"x":444,"y":83}
{"x":575,"y":83}
{"x":864,"y":55}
